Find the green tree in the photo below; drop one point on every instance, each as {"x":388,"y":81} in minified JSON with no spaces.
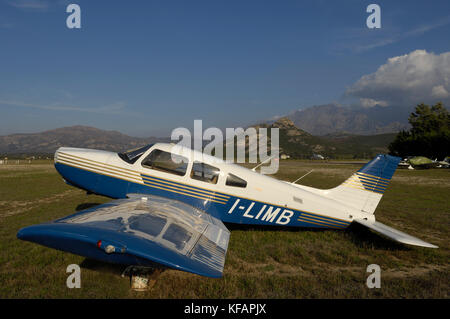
{"x":429,"y":134}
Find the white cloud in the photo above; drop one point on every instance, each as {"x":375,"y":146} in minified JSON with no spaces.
{"x":439,"y":92}
{"x":371,"y":102}
{"x":409,"y":79}
{"x":367,"y":40}
{"x":29,"y":4}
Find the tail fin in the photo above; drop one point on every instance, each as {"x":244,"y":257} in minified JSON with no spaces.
{"x":364,"y":189}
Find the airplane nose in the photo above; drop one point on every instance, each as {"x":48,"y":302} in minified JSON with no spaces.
{"x":80,"y":167}
{"x":81,"y":156}
{"x":55,"y":158}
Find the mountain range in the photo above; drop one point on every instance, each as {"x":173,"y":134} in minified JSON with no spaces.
{"x":334,"y":118}
{"x":293,"y":141}
{"x":331,"y":130}
{"x":75,"y":136}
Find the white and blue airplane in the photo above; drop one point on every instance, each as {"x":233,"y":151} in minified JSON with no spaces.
{"x":171,"y":202}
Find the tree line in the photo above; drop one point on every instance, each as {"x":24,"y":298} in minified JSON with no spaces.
{"x":428,"y":136}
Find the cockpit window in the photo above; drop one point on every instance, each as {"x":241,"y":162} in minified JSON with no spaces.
{"x":131,"y":156}
{"x":233,"y":180}
{"x":205,"y":173}
{"x":166,"y":162}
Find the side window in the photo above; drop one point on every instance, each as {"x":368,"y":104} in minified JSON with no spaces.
{"x":205,"y":173}
{"x":233,"y":180}
{"x":162,"y":161}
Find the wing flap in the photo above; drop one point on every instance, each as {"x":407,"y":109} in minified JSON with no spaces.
{"x":394,"y":233}
{"x":140,"y":230}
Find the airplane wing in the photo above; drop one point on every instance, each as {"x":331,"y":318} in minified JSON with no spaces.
{"x":394,"y":233}
{"x":140,"y":230}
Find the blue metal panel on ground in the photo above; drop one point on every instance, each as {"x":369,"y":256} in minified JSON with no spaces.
{"x":188,"y":239}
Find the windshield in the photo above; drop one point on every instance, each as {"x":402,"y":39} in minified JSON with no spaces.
{"x":131,"y":156}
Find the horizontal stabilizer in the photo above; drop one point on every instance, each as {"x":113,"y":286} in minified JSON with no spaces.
{"x":394,"y":233}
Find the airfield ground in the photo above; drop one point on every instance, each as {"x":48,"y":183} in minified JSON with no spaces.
{"x":261,"y":263}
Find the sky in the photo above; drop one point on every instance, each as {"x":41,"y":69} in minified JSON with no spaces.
{"x":146,"y":67}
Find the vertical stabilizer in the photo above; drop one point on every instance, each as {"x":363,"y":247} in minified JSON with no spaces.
{"x":364,"y":189}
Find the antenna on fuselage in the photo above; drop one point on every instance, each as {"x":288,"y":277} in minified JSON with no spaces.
{"x":253,"y":169}
{"x":301,"y":177}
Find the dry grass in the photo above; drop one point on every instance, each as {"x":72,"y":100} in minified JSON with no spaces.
{"x":261,"y":262}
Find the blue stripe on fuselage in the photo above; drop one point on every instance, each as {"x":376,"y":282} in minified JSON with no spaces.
{"x":236,"y":210}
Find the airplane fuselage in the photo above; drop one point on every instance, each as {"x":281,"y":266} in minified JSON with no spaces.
{"x":263,"y":200}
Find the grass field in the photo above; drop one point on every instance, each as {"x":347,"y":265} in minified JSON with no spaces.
{"x":261,"y":263}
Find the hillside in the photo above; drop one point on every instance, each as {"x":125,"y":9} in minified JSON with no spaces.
{"x":297,"y":143}
{"x":75,"y":136}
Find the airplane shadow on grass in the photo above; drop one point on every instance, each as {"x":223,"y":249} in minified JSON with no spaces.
{"x":102,"y":266}
{"x":118,"y":269}
{"x":358,"y":234}
{"x":365,"y":238}
{"x":361,"y":236}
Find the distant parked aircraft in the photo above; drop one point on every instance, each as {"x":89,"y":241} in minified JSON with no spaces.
{"x":422,"y":162}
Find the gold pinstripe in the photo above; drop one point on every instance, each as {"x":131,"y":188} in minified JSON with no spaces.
{"x":103,"y":166}
{"x":91,"y":170}
{"x":378,"y":183}
{"x":301,"y":219}
{"x":366,"y":185}
{"x":86,"y":159}
{"x":184,"y":190}
{"x":373,"y":176}
{"x":183,"y":193}
{"x":355,"y":182}
{"x":220,"y":201}
{"x":99,"y":169}
{"x":372,"y":179}
{"x":152,"y":179}
{"x":361,"y":184}
{"x":378,"y":187}
{"x":321,"y":218}
{"x":319,"y":221}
